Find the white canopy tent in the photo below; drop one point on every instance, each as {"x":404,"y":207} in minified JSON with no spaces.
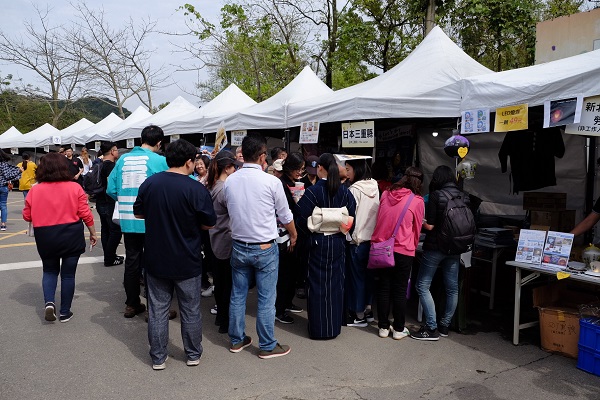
{"x":229,"y":101}
{"x":272,"y":113}
{"x":425,"y":84}
{"x":9,"y":136}
{"x":139,"y":114}
{"x":65,"y":133}
{"x":32,"y":138}
{"x":555,"y":80}
{"x":172,"y":112}
{"x":100,"y":130}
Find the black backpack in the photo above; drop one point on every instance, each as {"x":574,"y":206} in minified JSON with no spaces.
{"x":92,"y":181}
{"x":457,"y":231}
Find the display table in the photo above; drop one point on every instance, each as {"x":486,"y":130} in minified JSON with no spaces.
{"x":536,"y":272}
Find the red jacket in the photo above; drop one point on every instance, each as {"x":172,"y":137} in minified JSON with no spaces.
{"x":390,"y":207}
{"x":56,"y":210}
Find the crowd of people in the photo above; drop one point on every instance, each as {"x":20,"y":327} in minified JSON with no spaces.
{"x":302,"y":226}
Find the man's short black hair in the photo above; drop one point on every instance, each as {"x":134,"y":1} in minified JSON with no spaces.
{"x":105,"y":147}
{"x":178,"y":152}
{"x":253,"y":146}
{"x":152,"y":134}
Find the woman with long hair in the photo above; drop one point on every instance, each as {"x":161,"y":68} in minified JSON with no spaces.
{"x":358,"y":285}
{"x":28,"y":169}
{"x":327,"y":251}
{"x":391,"y":283}
{"x":442,"y":183}
{"x":8,"y":173}
{"x":84,"y":156}
{"x":292,"y":169}
{"x":221,"y":167}
{"x":56,"y":207}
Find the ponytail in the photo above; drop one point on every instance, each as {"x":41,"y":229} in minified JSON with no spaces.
{"x":328,"y":162}
{"x":24,"y":163}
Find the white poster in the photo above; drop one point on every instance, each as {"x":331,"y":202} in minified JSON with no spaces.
{"x":130,"y":143}
{"x":589,"y":123}
{"x":530,"y":247}
{"x":309,"y":132}
{"x":358,"y":134}
{"x":73,"y":146}
{"x":475,"y":121}
{"x":557,"y":250}
{"x":46,"y":149}
{"x":56,"y":140}
{"x":97,"y":146}
{"x":237,"y":137}
{"x":14,"y":150}
{"x":562,"y":112}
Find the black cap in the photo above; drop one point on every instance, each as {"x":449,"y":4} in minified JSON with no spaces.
{"x":225,"y":158}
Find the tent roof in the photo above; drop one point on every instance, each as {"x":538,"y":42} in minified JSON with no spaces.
{"x":425,"y":84}
{"x":228,"y":101}
{"x":172,"y":112}
{"x":65,"y":133}
{"x":136,"y":116}
{"x":555,"y":80}
{"x":11,"y":134}
{"x":30,"y":139}
{"x":100,"y":130}
{"x":271,"y":113}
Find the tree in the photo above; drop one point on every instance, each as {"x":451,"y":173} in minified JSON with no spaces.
{"x":246,"y":49}
{"x":558,"y":8}
{"x":43,"y":51}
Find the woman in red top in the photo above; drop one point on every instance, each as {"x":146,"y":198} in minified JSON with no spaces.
{"x":391,"y":283}
{"x":56,"y":206}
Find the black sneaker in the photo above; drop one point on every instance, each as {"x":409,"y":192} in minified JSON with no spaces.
{"x":66,"y":318}
{"x":50,"y":312}
{"x":425,"y":334}
{"x":443,"y":330}
{"x":117,"y":261}
{"x":294,"y":308}
{"x":236,"y":348}
{"x":369,"y":316}
{"x":353,"y":320}
{"x":284,"y":318}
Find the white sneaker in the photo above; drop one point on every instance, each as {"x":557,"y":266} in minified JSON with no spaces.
{"x":160,"y":367}
{"x":401,"y":335}
{"x":192,"y":363}
{"x":383,"y":333}
{"x":213,"y":310}
{"x":208,"y":292}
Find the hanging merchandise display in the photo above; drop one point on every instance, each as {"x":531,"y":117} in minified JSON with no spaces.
{"x":457,"y":146}
{"x":466,"y":169}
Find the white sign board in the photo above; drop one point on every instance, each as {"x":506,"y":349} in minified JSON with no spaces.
{"x":97,"y":146}
{"x":175,"y":137}
{"x":73,"y":146}
{"x":56,"y":140}
{"x":14,"y":150}
{"x":475,"y":121}
{"x":589,"y":123}
{"x":237,"y":137}
{"x":46,"y":148}
{"x":309,"y":132}
{"x":130,"y":143}
{"x":358,"y":134}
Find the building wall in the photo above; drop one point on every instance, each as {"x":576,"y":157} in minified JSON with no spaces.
{"x":567,"y":36}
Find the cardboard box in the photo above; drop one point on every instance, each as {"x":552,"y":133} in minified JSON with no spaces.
{"x":559,"y":317}
{"x":559,"y":221}
{"x":541,"y":201}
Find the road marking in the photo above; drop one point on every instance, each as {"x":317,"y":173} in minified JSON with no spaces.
{"x":13,"y":234}
{"x":4,"y":246}
{"x":38,"y":263}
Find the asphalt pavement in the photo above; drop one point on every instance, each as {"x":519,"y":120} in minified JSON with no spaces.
{"x":99,"y":354}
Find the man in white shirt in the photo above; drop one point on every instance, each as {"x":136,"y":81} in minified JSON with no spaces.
{"x":254,"y":201}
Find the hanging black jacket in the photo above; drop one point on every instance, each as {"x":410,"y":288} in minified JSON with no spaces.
{"x":532,"y":157}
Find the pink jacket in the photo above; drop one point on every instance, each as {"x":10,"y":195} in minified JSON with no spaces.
{"x":390,"y":208}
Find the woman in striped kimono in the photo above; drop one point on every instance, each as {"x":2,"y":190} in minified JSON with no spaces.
{"x":325,"y":279}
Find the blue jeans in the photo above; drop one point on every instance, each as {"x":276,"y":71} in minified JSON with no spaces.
{"x":160,"y":294}
{"x":3,"y":199}
{"x":52,"y":267}
{"x":249,"y":261}
{"x":359,"y":280}
{"x":450,"y":266}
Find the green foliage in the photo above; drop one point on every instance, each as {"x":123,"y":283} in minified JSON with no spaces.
{"x":558,"y":8}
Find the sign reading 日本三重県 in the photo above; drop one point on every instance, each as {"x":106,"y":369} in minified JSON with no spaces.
{"x":358,"y":134}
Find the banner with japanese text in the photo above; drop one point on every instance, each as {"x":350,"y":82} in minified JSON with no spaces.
{"x":358,"y":134}
{"x":512,"y":118}
{"x":237,"y":137}
{"x":309,"y":132}
{"x":589,"y":123}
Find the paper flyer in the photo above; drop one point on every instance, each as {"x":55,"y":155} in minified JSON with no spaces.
{"x":358,"y":134}
{"x":530,"y":246}
{"x":512,"y":118}
{"x":589,"y":123}
{"x":221,"y":139}
{"x":562,"y":112}
{"x":557,"y":249}
{"x":475,"y":121}
{"x":309,"y":132}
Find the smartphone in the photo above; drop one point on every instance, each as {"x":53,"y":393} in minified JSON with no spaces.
{"x":91,"y":246}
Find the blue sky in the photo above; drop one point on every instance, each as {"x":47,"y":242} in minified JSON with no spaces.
{"x":15,"y":12}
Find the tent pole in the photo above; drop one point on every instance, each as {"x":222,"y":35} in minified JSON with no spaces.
{"x":286,"y":139}
{"x":589,"y":183}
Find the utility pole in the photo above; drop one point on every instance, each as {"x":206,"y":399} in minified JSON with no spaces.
{"x":430,"y":17}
